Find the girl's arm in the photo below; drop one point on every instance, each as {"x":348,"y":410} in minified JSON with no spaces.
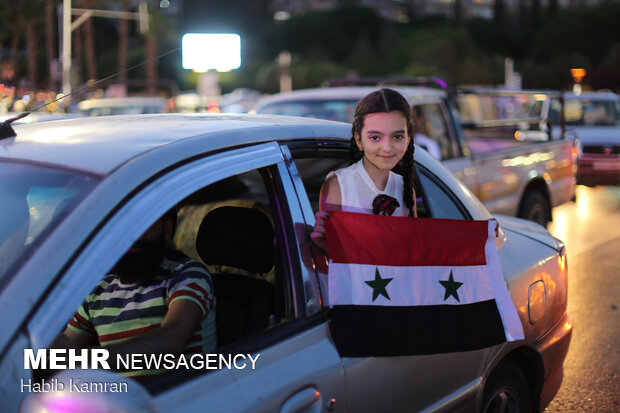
{"x":329,"y":200}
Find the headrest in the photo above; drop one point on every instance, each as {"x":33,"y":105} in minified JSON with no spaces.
{"x":237,"y":237}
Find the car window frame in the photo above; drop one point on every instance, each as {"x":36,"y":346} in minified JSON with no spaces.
{"x":303,"y":148}
{"x":110,"y":242}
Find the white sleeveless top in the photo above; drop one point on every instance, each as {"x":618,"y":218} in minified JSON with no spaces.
{"x":358,"y":190}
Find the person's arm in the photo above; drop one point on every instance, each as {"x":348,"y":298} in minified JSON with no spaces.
{"x":71,"y":339}
{"x":330,"y":199}
{"x":178,"y":326}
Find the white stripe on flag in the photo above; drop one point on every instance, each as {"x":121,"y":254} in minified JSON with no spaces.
{"x":409,"y":286}
{"x":507,"y":310}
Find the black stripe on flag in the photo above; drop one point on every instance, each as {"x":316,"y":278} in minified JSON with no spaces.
{"x":380,"y":331}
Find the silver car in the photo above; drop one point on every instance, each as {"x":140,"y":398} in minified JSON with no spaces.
{"x":594,"y":118}
{"x":77,"y":194}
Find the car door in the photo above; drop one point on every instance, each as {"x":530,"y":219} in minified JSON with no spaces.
{"x":297,"y":366}
{"x":442,"y":126}
{"x":412,"y":383}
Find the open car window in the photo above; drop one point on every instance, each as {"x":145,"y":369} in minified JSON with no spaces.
{"x":235,"y":229}
{"x":433,"y":199}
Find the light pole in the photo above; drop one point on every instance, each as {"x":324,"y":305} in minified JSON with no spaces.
{"x":67,"y":28}
{"x":66,"y":47}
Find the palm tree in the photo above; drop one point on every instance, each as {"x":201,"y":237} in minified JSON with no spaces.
{"x":89,"y":41}
{"x":30,"y":17}
{"x":50,"y":37}
{"x":13,"y":14}
{"x":123,"y":40}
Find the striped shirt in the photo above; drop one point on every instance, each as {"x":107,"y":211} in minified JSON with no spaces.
{"x":115,"y":312}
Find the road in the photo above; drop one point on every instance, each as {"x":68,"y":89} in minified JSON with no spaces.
{"x":590,"y":227}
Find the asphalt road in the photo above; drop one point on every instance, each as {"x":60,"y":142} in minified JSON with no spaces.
{"x":590,"y":228}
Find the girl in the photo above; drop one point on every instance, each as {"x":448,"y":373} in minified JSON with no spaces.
{"x":382,"y":136}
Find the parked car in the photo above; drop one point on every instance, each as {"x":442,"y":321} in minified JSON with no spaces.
{"x":131,"y":105}
{"x":77,"y":194}
{"x":524,"y":177}
{"x":594,"y":118}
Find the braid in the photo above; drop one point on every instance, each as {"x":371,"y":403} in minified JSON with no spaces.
{"x":408,"y":170}
{"x":356,"y":127}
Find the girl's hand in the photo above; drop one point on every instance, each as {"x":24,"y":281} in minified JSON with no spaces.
{"x":318,"y":234}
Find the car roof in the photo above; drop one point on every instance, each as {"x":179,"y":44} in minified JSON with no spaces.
{"x":101,"y":144}
{"x":348,"y":93}
{"x":124,"y":101}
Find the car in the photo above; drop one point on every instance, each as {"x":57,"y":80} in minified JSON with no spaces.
{"x":131,"y":105}
{"x":594,"y":119}
{"x":79,"y":193}
{"x":516,"y":165}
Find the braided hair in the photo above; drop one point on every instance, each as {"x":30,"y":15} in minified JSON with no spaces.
{"x":385,"y":101}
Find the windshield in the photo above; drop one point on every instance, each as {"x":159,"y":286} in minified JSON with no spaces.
{"x":34,"y":200}
{"x":587,"y":112}
{"x":338,"y":110}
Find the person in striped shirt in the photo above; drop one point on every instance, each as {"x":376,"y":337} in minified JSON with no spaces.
{"x":155,"y":301}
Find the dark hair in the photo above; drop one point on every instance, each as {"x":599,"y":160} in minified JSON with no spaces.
{"x":385,"y":101}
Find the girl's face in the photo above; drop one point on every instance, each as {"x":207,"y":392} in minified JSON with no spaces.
{"x":383,"y":139}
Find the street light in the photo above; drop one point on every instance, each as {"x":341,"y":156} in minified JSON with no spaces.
{"x":578,"y":74}
{"x":84,"y":14}
{"x":208,"y":54}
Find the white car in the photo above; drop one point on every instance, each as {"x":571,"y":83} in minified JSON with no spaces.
{"x":77,"y":194}
{"x":131,"y":105}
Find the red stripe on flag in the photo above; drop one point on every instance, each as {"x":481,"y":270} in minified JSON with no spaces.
{"x":399,"y":241}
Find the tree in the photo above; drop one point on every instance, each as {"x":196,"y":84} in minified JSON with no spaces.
{"x":498,"y":12}
{"x":89,"y":41}
{"x":50,"y":37}
{"x":458,"y":11}
{"x":123,"y":40}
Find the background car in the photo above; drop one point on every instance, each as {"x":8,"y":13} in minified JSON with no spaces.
{"x":594,"y":117}
{"x":512,"y":160}
{"x":79,"y":193}
{"x":131,"y":105}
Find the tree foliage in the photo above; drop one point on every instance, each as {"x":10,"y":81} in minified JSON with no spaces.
{"x":544,"y":40}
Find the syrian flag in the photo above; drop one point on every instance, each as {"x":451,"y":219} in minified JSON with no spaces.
{"x":404,"y":286}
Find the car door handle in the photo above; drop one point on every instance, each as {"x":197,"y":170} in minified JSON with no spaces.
{"x":302,"y":400}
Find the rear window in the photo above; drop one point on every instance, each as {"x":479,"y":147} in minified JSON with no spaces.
{"x":34,"y":201}
{"x":588,"y":112}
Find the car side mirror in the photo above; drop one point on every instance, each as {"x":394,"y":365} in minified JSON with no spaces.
{"x":500,"y":237}
{"x":531,"y":135}
{"x":95,"y":391}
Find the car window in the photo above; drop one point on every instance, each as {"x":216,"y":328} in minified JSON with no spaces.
{"x":236,"y":228}
{"x":34,"y":200}
{"x":432,"y":198}
{"x":431,"y":122}
{"x":440,"y":202}
{"x":590,"y":112}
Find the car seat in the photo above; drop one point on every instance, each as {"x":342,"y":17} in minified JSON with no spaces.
{"x":243,"y":238}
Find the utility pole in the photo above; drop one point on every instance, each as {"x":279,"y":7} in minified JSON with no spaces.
{"x":68,"y":27}
{"x":66,"y":47}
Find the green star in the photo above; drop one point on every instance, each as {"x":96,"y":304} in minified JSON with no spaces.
{"x":451,"y":286}
{"x":378,"y":286}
